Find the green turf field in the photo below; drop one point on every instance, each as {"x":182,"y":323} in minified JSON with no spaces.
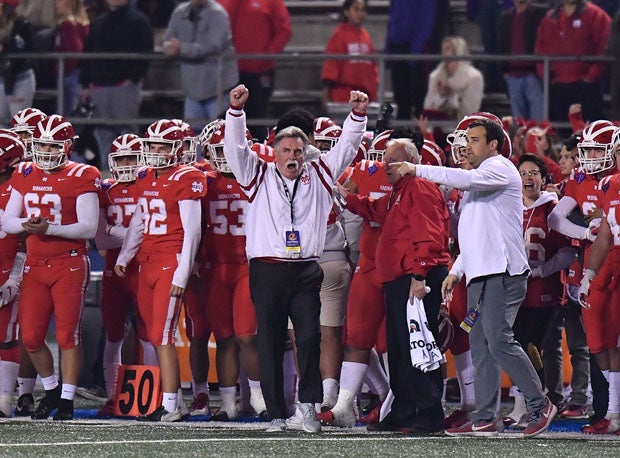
{"x":99,"y":438}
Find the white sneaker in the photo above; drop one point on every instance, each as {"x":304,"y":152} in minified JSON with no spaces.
{"x":304,"y":419}
{"x":277,"y":425}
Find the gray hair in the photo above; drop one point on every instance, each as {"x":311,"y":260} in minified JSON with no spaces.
{"x":291,"y":132}
{"x":408,"y":147}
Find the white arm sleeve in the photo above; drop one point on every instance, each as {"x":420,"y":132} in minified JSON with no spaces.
{"x":457,"y":268}
{"x":242,"y":162}
{"x":189,"y":209}
{"x":132,"y":241}
{"x":560,"y":260}
{"x":103,"y":239}
{"x":480,"y":179}
{"x":87,"y":210}
{"x":559,"y":222}
{"x":11,"y":219}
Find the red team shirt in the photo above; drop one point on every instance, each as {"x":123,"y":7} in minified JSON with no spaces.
{"x":541,"y":243}
{"x":9,"y":244}
{"x":119,"y":201}
{"x":159,"y":202}
{"x":54,"y":196}
{"x":365,"y":323}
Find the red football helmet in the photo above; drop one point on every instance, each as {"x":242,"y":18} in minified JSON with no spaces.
{"x":190,"y":142}
{"x":615,"y":140}
{"x":326,"y":133}
{"x":362,"y":151}
{"x":596,"y":148}
{"x":458,"y":138}
{"x":264,"y":152}
{"x":53,"y":140}
{"x":164,"y":132}
{"x":271,"y":137}
{"x":214,"y":140}
{"x":378,"y":146}
{"x":125,"y":146}
{"x":23,"y":124}
{"x":12,"y":150}
{"x":432,"y":154}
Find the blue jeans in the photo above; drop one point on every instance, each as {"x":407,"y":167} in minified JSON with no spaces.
{"x":526,"y":96}
{"x":195,"y":110}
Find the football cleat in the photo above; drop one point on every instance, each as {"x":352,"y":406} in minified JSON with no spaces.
{"x":305,"y":419}
{"x":107,"y":410}
{"x":25,"y":405}
{"x":162,"y":415}
{"x":65,"y":410}
{"x":47,"y":404}
{"x":200,"y":405}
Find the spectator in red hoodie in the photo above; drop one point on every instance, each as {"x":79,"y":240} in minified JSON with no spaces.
{"x":574,"y":28}
{"x":340,"y":77}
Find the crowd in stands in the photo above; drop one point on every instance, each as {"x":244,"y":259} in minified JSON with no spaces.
{"x":319,"y":223}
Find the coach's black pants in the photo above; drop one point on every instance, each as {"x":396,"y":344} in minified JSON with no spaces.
{"x":279,"y":291}
{"x":417,"y":395}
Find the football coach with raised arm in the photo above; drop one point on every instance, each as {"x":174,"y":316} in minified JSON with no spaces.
{"x":289,"y":202}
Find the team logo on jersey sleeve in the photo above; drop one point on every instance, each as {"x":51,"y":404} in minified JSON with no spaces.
{"x":28,"y":170}
{"x":142,"y":173}
{"x":97,"y":182}
{"x":197,"y":186}
{"x":579,"y":177}
{"x":372,"y":169}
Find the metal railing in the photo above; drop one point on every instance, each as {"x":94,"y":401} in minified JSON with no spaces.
{"x":284,"y":59}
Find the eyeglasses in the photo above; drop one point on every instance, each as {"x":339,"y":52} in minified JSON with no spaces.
{"x":529,"y":173}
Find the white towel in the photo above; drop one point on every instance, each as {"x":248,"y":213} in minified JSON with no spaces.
{"x":425,"y":354}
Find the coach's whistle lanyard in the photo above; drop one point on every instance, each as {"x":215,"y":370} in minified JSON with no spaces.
{"x":290,"y":197}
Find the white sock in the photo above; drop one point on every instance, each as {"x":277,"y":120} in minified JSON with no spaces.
{"x":228,"y":395}
{"x":49,"y":383}
{"x":26,"y":385}
{"x":111,"y":363}
{"x":351,"y":379}
{"x":376,"y":377}
{"x":606,"y":375}
{"x":257,"y":401}
{"x":68,"y":392}
{"x":614,"y":392}
{"x":330,"y":391}
{"x":149,"y":355}
{"x":199,"y":387}
{"x":465,"y":375}
{"x":170,"y":401}
{"x":8,"y":376}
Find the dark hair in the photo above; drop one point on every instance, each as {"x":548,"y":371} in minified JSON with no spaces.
{"x":571,"y":142}
{"x":346,"y":5}
{"x":528,"y":157}
{"x":298,"y":117}
{"x":493,"y":132}
{"x":413,"y":134}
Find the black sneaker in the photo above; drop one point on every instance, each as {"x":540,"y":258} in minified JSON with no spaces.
{"x":161,"y":414}
{"x":47,"y":404}
{"x":25,"y":405}
{"x":65,"y":410}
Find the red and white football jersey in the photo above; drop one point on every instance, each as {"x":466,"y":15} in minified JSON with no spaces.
{"x":582,"y":187}
{"x":541,"y":243}
{"x":225,"y":207}
{"x":53,"y":196}
{"x":371,"y":180}
{"x":609,"y":194}
{"x":9,"y":243}
{"x":159,"y":203}
{"x":119,"y":201}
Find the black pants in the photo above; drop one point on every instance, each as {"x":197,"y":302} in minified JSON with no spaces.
{"x":417,"y":395}
{"x":279,"y":291}
{"x":409,"y":82}
{"x":260,"y":86}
